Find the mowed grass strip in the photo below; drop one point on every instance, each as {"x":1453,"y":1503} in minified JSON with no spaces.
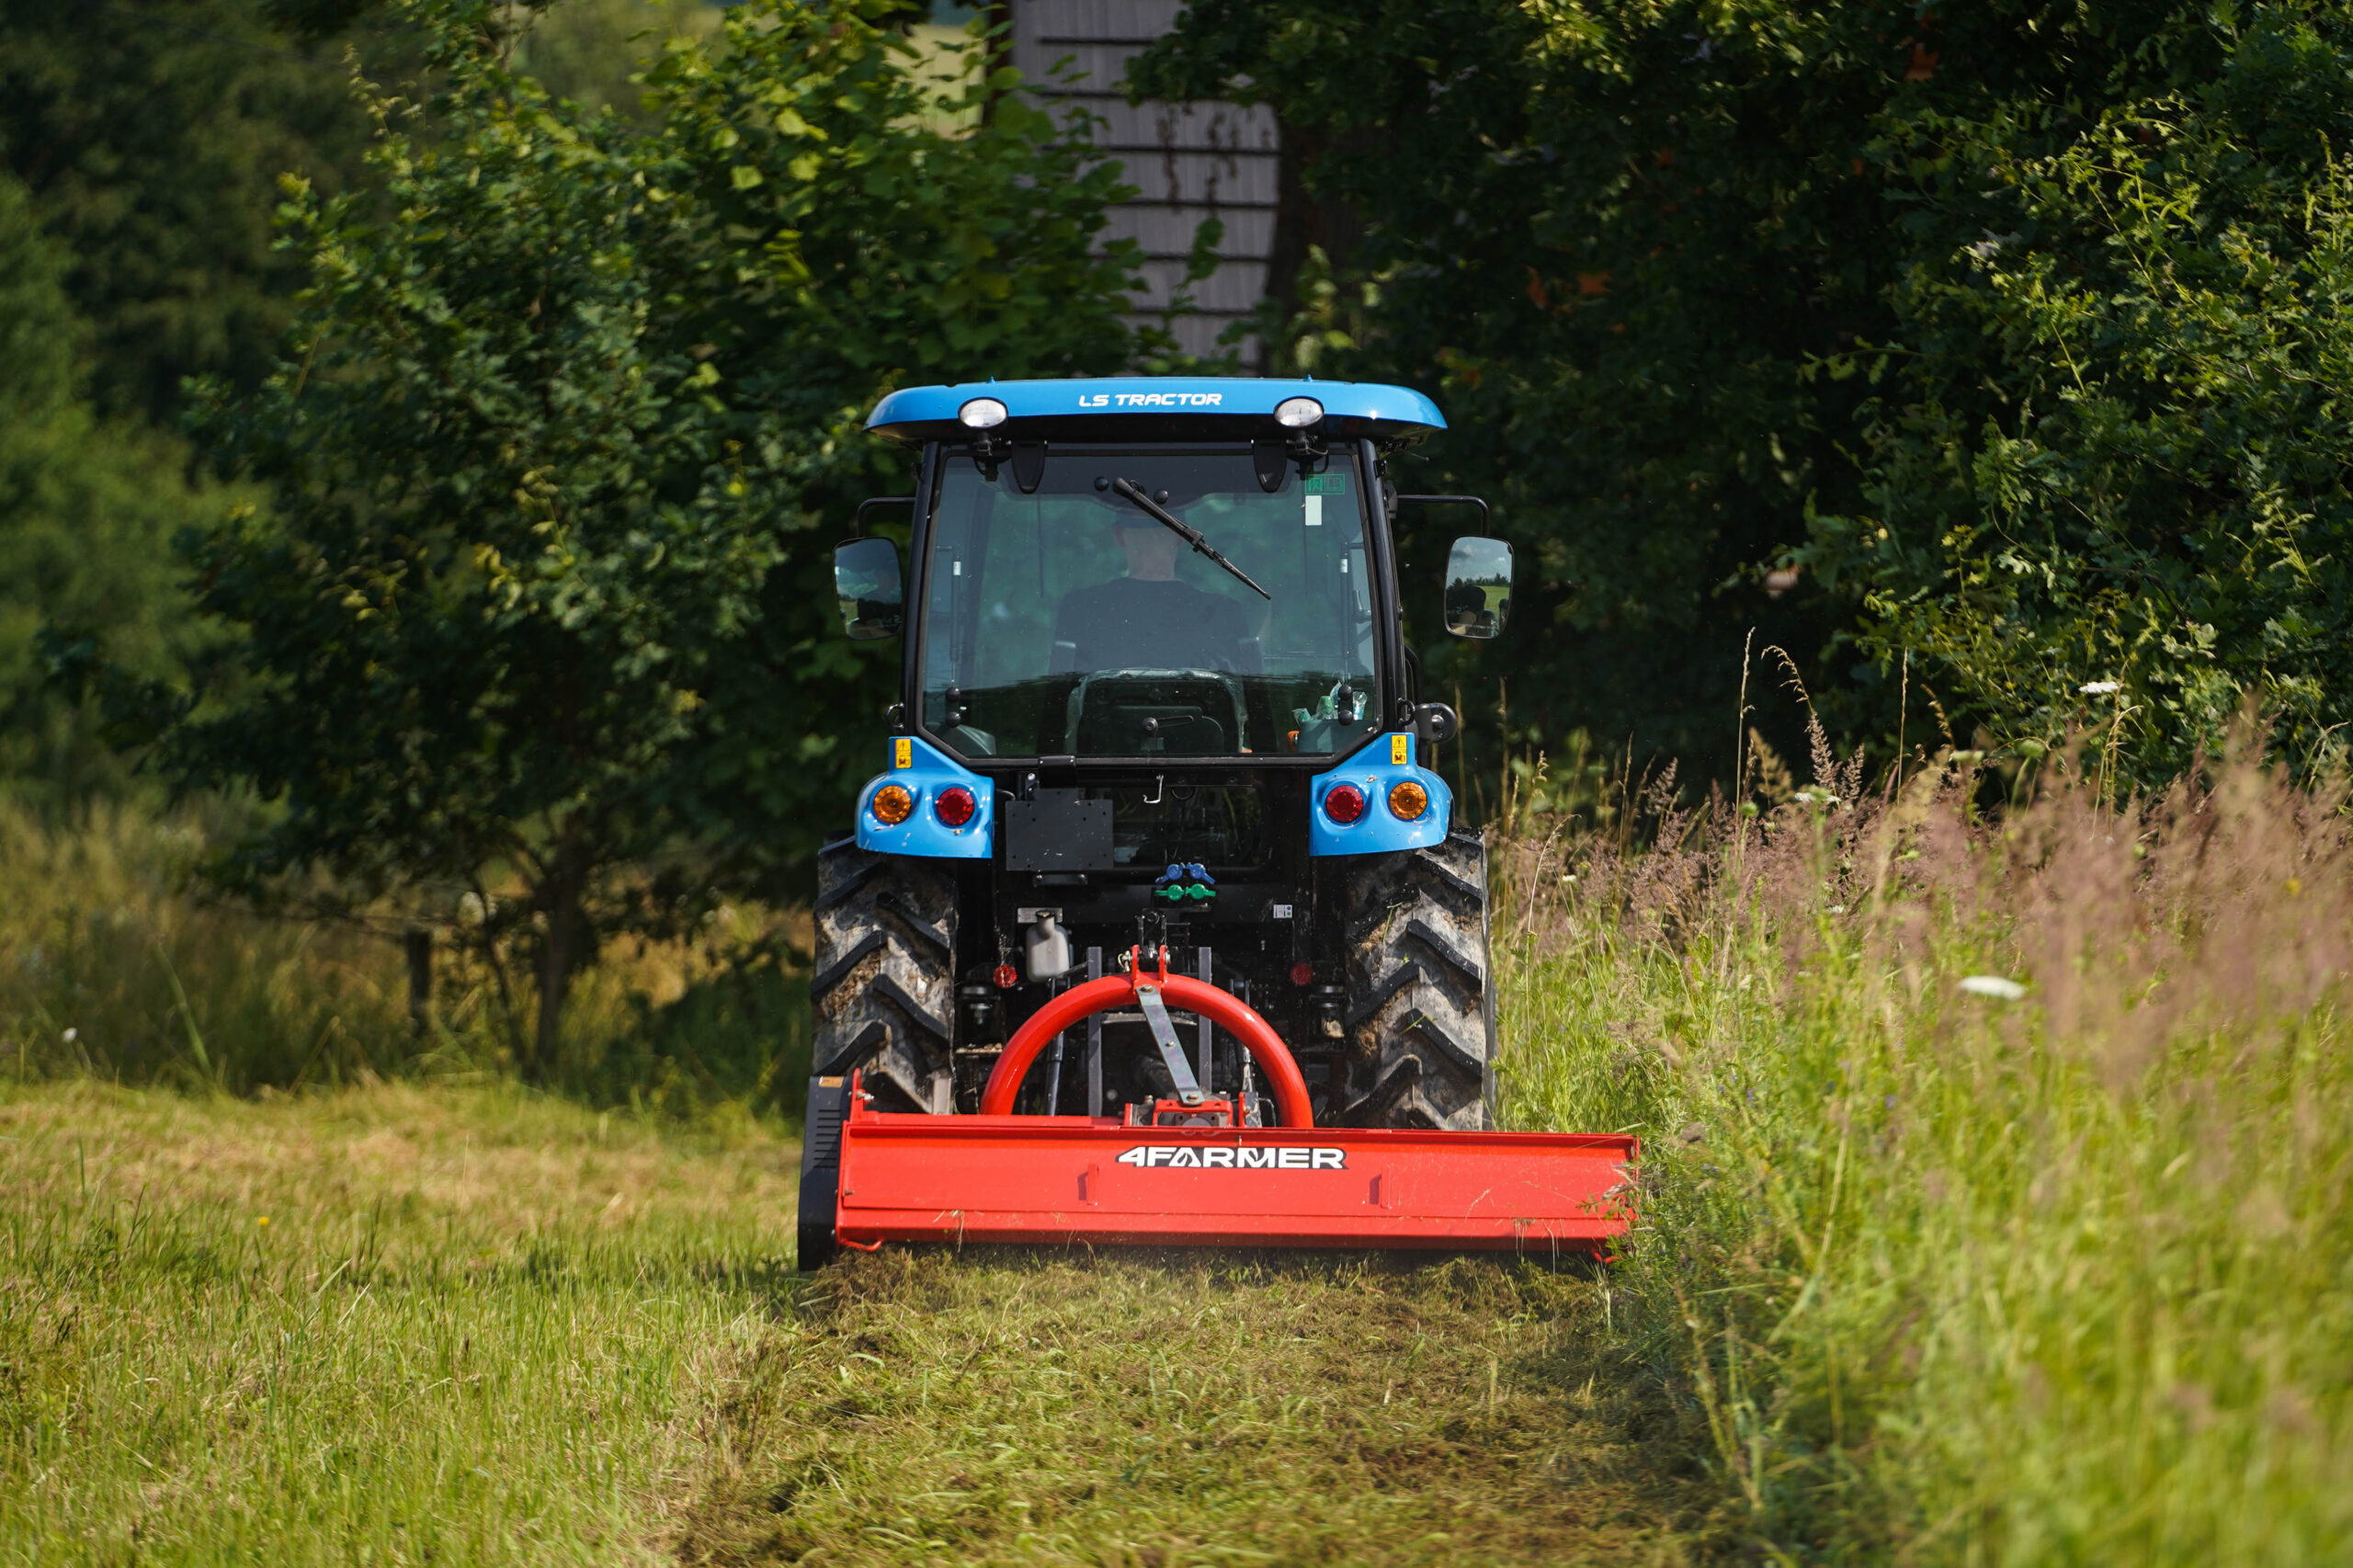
{"x":390,"y":1326}
{"x":1051,"y":1406}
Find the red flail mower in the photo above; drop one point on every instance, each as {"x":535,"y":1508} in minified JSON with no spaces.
{"x":1190,"y":1169}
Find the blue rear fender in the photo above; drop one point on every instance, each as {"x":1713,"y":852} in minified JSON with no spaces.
{"x":1376,"y":769}
{"x":925,"y":771}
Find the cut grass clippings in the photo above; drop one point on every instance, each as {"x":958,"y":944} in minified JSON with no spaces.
{"x":1051,"y":1406}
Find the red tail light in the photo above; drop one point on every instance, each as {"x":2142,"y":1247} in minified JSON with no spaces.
{"x":955,"y":806}
{"x":1344,"y":803}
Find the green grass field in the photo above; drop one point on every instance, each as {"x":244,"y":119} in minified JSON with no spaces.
{"x":1995,"y":1194}
{"x":396,"y":1325}
{"x":390,"y":1324}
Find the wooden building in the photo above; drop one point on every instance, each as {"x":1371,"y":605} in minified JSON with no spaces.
{"x":1189,"y":162}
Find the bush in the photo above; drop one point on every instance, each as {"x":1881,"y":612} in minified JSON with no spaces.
{"x":2106,"y":474}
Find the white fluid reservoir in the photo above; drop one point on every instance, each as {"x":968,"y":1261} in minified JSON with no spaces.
{"x":1048,"y":947}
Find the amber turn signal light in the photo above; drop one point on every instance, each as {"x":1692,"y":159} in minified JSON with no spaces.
{"x":1407,"y":800}
{"x":891,"y":805}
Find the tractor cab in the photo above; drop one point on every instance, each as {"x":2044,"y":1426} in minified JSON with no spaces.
{"x":1105,"y":571}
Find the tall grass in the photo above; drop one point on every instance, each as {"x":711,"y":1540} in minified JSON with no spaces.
{"x":114,"y":963}
{"x":1998,"y":1176}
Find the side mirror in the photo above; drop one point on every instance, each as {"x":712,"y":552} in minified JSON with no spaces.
{"x":1478,"y":586}
{"x":866,"y":580}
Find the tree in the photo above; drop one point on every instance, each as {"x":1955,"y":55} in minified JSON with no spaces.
{"x":541,"y":591}
{"x":1653,"y":258}
{"x":1610,"y":238}
{"x":150,"y":138}
{"x":2106,"y":468}
{"x":87,"y":509}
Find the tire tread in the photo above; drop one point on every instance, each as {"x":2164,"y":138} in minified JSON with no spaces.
{"x":1420,"y":1028}
{"x":883,"y":986}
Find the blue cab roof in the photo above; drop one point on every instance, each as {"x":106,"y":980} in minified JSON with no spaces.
{"x":1350,"y":407}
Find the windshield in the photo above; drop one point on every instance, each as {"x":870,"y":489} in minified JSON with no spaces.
{"x":1070,"y":623}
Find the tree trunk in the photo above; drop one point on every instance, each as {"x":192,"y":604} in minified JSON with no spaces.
{"x":417,"y":943}
{"x":1304,"y":221}
{"x":566,"y":946}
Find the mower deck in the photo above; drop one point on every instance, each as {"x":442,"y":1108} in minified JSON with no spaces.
{"x":1066,"y":1179}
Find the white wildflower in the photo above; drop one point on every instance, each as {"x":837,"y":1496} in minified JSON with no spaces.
{"x":1994,"y":985}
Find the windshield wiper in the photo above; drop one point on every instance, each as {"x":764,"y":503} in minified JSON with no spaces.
{"x":1167,"y":519}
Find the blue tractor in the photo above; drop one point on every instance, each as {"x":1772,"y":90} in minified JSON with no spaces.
{"x":1155,"y":695}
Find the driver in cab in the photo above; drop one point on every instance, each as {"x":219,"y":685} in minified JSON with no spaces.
{"x":1148,"y":620}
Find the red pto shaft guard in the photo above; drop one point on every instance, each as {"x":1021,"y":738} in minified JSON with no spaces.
{"x":1001,"y":1177}
{"x":1082,"y":1002}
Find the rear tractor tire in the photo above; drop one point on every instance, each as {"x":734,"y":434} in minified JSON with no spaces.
{"x":1421,"y":1019}
{"x":884,"y":990}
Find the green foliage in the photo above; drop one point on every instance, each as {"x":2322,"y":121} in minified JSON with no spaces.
{"x":2088,"y":257}
{"x":40,"y":337}
{"x":139,"y":145}
{"x":510,"y":537}
{"x":1612,"y":237}
{"x":87,"y":509}
{"x":2108,"y":460}
{"x":848,"y":241}
{"x":552,"y":450}
{"x":150,"y":137}
{"x":594,"y":52}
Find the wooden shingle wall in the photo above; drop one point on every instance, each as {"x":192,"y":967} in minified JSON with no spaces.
{"x":1189,"y":162}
